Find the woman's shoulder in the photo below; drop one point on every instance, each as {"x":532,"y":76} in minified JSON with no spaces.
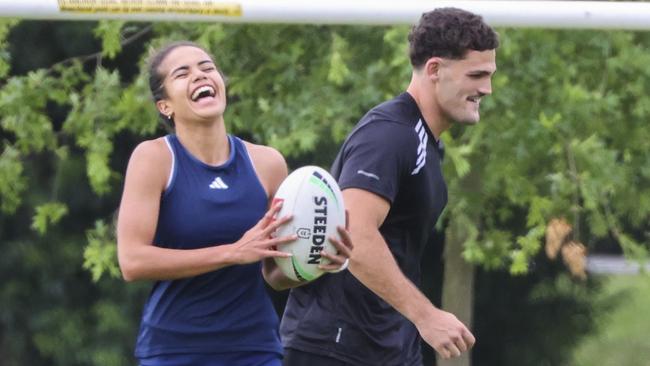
{"x":151,"y":158}
{"x":156,"y":149}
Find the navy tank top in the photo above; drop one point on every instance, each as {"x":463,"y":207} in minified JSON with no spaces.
{"x":224,"y":311}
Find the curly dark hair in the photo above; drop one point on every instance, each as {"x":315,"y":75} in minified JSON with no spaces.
{"x":449,"y":33}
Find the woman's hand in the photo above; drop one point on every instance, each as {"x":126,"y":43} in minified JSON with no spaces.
{"x":258,"y":242}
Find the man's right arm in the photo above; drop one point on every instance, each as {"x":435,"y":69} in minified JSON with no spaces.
{"x":373,"y":264}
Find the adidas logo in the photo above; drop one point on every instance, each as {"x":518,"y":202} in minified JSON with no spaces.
{"x":218,"y":183}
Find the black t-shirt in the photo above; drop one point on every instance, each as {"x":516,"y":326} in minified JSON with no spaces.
{"x":392,"y":153}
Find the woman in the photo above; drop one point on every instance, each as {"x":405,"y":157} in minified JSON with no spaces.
{"x":192,"y":218}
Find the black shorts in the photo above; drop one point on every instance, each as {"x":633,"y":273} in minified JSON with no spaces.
{"x":293,"y":357}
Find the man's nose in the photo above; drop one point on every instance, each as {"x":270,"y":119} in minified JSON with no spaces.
{"x":486,"y":88}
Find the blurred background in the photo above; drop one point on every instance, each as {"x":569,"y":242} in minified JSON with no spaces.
{"x":542,"y":247}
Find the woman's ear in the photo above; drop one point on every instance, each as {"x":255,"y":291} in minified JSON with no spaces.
{"x":164,"y":108}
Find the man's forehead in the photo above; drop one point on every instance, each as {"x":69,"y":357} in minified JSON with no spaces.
{"x":481,"y":60}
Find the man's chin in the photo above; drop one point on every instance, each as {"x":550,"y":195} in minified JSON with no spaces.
{"x":469,"y":120}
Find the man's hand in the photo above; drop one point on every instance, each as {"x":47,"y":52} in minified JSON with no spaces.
{"x":339,"y":261}
{"x":446,"y":334}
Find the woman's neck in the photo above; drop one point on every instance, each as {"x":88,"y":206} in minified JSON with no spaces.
{"x":207,"y":142}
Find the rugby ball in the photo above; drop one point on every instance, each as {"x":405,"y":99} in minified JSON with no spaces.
{"x":314,"y":199}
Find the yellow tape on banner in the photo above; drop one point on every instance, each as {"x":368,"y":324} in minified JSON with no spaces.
{"x":201,"y":7}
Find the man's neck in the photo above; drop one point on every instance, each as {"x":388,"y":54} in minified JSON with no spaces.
{"x":422,"y":93}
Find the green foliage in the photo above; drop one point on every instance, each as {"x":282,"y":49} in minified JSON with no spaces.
{"x":12,"y":181}
{"x":564,"y":135}
{"x":535,"y":318}
{"x":338,"y":71}
{"x":134,"y":112}
{"x":528,"y":247}
{"x":92,"y":121}
{"x":5,"y":27}
{"x":100,"y":255}
{"x":110,"y":32}
{"x":48,"y":214}
{"x":23,"y":102}
{"x":53,"y":313}
{"x":621,"y":334}
{"x":561,"y":139}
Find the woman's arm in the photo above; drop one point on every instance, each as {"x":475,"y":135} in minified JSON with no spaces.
{"x":146,"y":177}
{"x":272,"y":169}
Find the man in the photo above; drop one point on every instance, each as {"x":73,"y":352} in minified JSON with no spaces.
{"x":389,"y":171}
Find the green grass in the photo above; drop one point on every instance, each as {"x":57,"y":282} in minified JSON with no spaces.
{"x":622,"y":337}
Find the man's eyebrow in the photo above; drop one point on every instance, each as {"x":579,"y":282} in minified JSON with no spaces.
{"x":481,"y":72}
{"x":205,"y":62}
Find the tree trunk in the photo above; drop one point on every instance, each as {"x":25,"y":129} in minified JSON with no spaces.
{"x":458,"y":287}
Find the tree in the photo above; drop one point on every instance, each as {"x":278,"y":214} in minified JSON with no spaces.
{"x":561,"y":138}
{"x":546,"y":149}
{"x":67,"y":128}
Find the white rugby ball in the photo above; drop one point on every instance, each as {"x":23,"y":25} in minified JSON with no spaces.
{"x":314,"y":199}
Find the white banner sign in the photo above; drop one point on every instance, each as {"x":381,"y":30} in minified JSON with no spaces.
{"x":537,"y":14}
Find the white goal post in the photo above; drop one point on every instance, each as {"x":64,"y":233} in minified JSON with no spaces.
{"x":534,"y":14}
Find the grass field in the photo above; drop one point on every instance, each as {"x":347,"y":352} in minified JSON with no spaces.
{"x":622,"y":337}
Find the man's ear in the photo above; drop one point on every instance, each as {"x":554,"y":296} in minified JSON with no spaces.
{"x":164,"y":107}
{"x":432,"y":68}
